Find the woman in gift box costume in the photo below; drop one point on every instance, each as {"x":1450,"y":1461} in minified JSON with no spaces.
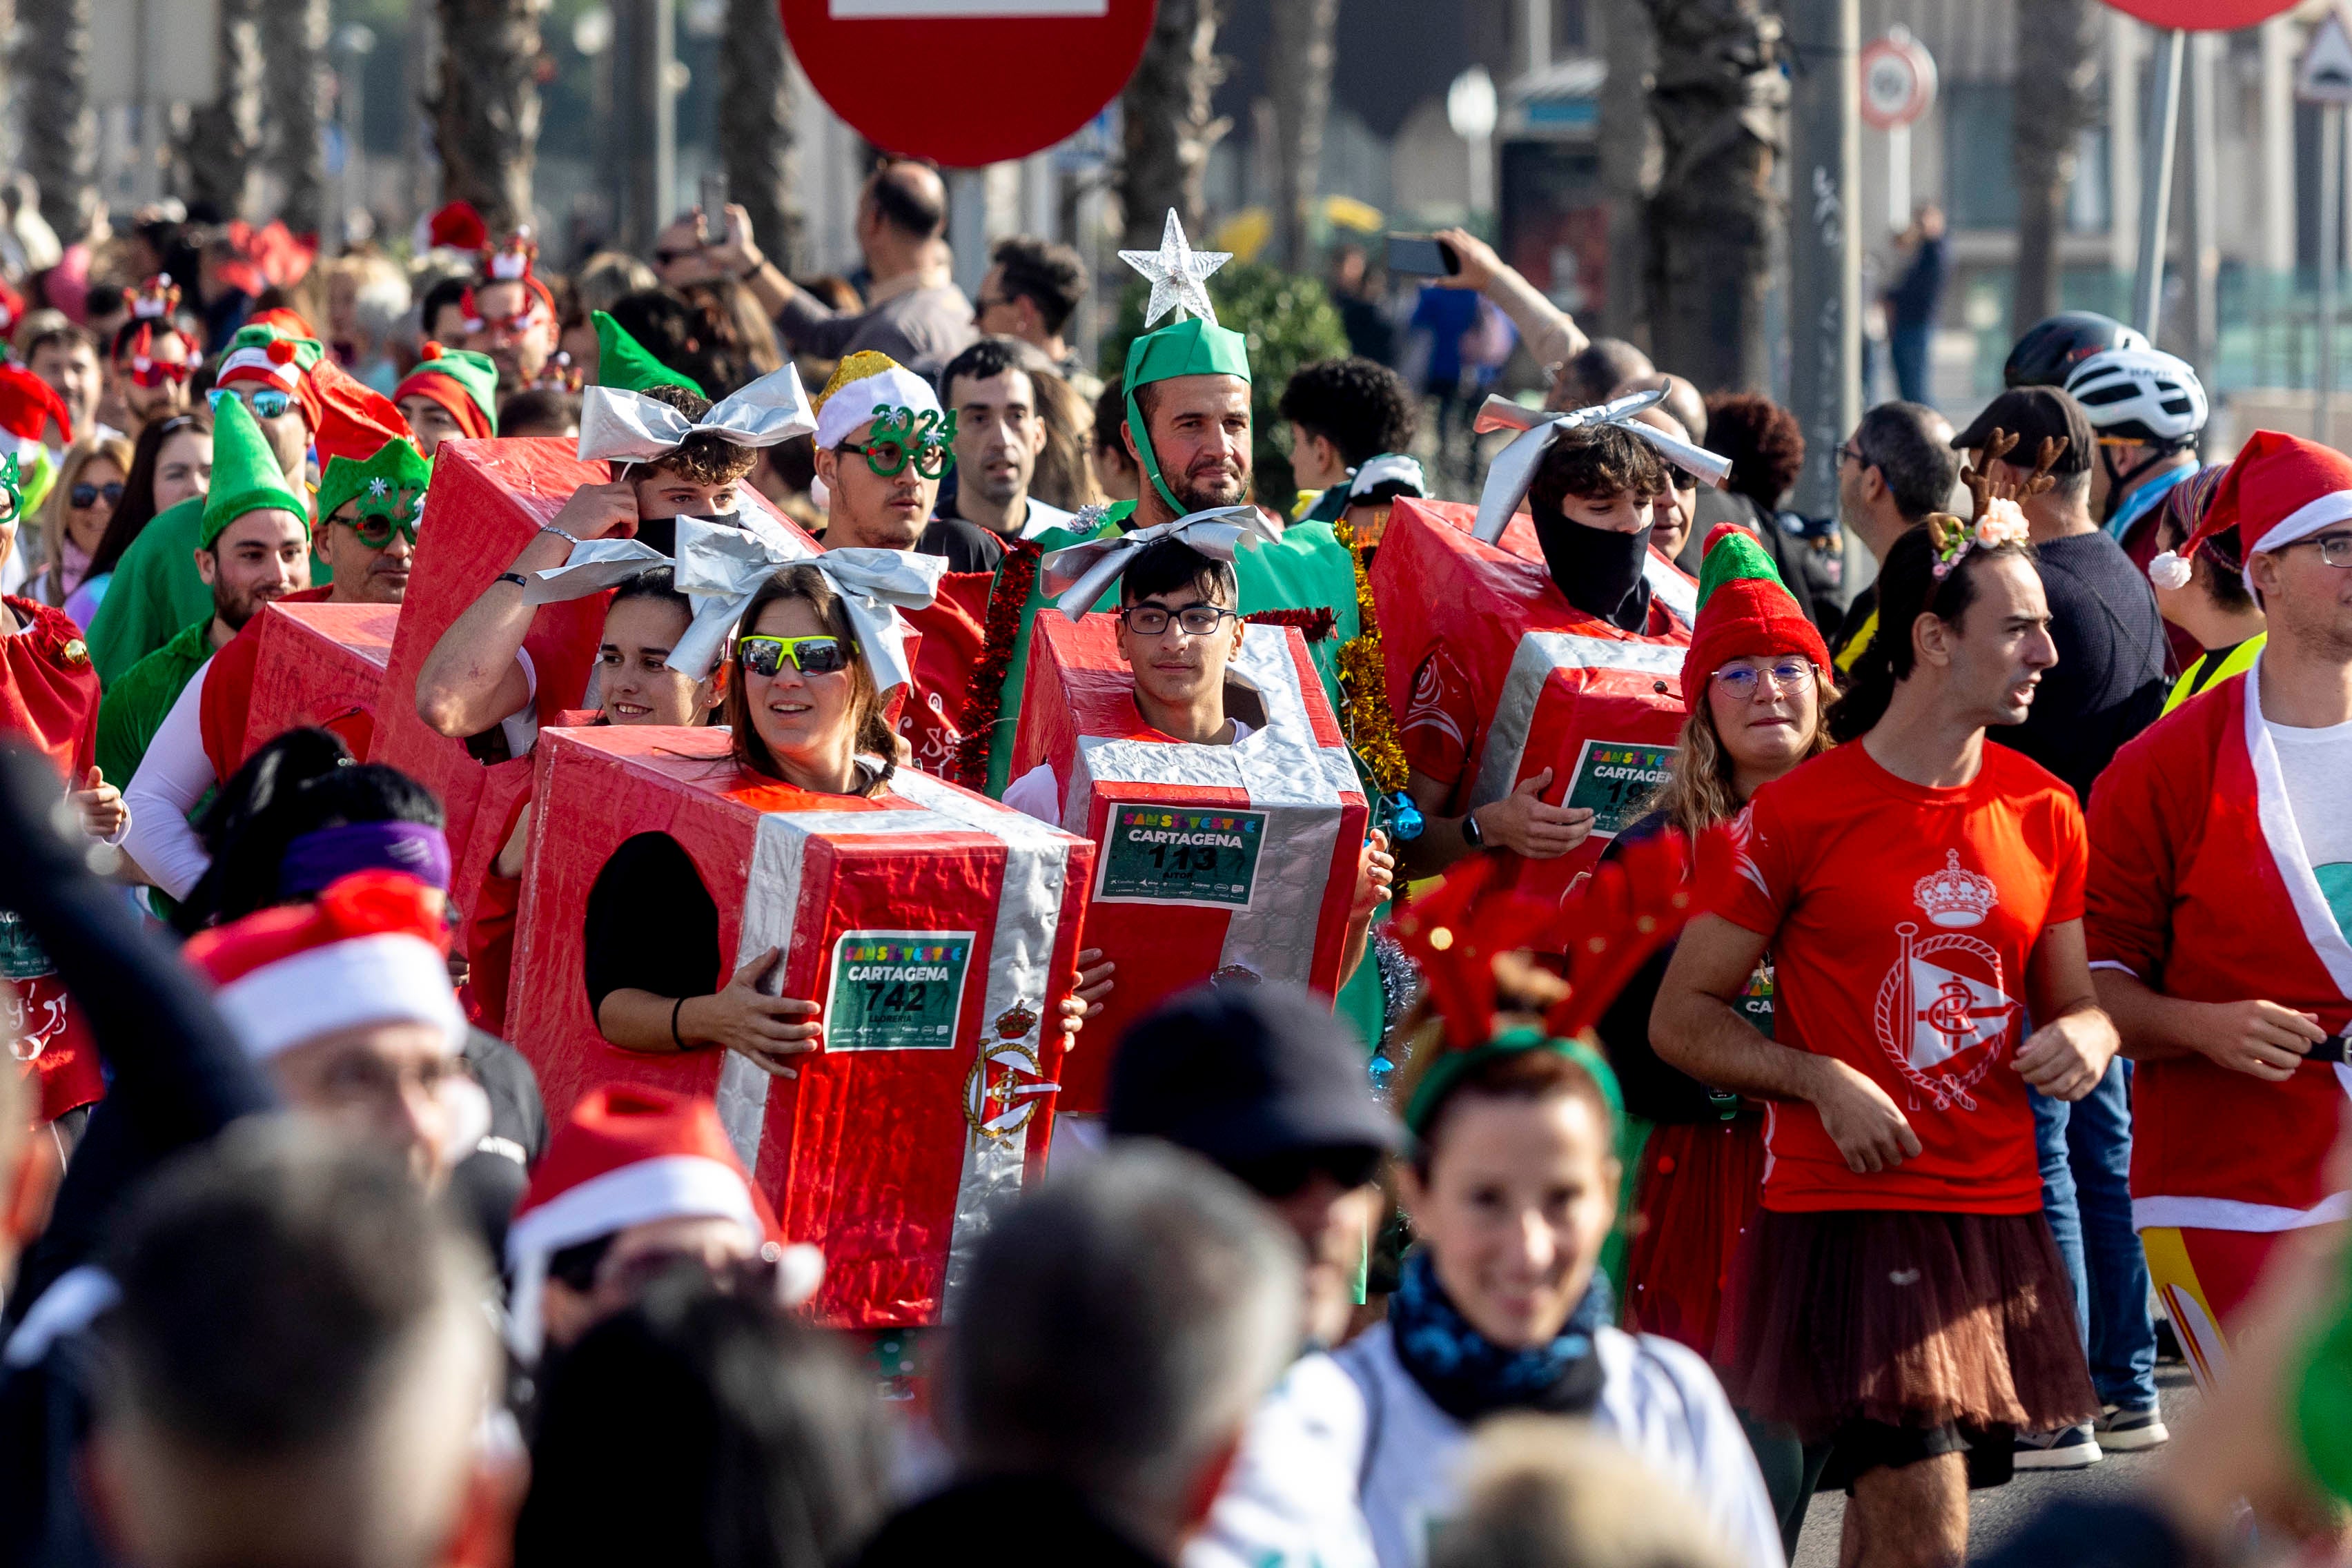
{"x":815,"y":657}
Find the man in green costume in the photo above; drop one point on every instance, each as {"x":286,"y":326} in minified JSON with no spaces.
{"x":240,"y":570}
{"x":1188,"y":428}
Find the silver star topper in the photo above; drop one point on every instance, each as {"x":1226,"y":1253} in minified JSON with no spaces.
{"x":1176,"y":271}
{"x":377,"y":487}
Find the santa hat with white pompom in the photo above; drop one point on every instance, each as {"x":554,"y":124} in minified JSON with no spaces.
{"x":2280,"y":490}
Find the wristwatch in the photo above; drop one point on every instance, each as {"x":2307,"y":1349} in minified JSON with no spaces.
{"x":1471,"y":835}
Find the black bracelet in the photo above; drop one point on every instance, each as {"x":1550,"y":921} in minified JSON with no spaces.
{"x":516,"y":578}
{"x":674,"y":1039}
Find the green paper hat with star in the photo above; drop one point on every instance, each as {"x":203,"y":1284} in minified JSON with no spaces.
{"x":390,"y":484}
{"x":625,"y":363}
{"x":1189,"y":345}
{"x":246,"y":475}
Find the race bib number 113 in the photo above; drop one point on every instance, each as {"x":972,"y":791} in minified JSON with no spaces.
{"x":1161,"y":856}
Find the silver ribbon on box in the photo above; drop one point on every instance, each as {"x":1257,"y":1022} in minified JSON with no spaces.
{"x":1514,"y":467}
{"x":720,"y":567}
{"x":620,"y":425}
{"x":1080,"y":573}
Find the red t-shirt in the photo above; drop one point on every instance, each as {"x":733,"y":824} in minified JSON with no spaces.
{"x":1902,"y":919}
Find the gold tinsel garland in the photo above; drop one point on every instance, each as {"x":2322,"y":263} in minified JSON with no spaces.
{"x":1364,"y":681}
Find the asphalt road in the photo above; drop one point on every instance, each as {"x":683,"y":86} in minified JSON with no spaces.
{"x":1994,"y":1515}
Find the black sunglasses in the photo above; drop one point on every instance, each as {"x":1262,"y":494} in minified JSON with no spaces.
{"x":1286,"y":1174}
{"x":84,"y":497}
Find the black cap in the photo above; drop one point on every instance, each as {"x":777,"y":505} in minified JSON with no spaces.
{"x":2032,"y":414}
{"x":1242,"y":1074}
{"x":2054,"y":345}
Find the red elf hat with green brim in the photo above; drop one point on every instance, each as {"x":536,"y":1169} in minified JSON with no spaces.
{"x":462,"y":382}
{"x":1744,"y":611}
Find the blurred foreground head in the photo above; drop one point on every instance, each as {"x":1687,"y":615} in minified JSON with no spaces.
{"x":296,"y":1373}
{"x":1542,"y":1492}
{"x":1183,"y":1294}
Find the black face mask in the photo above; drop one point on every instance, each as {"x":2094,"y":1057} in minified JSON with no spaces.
{"x":661,"y":532}
{"x":1601,"y":572}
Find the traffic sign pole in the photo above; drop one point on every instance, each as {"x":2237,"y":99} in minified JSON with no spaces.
{"x":1898,"y":86}
{"x":1824,"y":251}
{"x":2331,"y":229}
{"x":1898,"y":178}
{"x":2156,"y":188}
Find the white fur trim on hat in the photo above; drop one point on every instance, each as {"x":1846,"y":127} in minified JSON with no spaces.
{"x":2169,"y":571}
{"x":284,"y":374}
{"x":672,"y":1186}
{"x":853,"y":403}
{"x":2306,"y":520}
{"x":385,"y":978}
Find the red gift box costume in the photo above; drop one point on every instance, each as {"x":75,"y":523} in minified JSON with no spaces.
{"x":1280,"y":814}
{"x":48,"y":699}
{"x":924,"y":1110}
{"x":312,"y":664}
{"x":1503,"y":677}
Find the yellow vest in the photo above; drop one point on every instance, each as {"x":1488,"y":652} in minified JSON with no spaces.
{"x":2241,"y":659}
{"x":1854,"y":650}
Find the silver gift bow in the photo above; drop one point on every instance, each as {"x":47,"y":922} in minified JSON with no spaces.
{"x":1092,"y":567}
{"x":1514,"y":467}
{"x":620,"y":425}
{"x":722,"y":568}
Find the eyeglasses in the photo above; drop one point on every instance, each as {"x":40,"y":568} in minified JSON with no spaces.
{"x":264,"y":402}
{"x":1684,"y":480}
{"x":161,"y":373}
{"x":375,"y":530}
{"x":1786,"y":675}
{"x":1848,"y":450}
{"x":753,"y":1277}
{"x":1151,"y":620}
{"x":2334,"y":549}
{"x":85,"y":497}
{"x":810,"y":656}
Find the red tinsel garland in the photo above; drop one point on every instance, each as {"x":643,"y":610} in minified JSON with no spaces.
{"x":1314,"y":625}
{"x":1014,"y":577}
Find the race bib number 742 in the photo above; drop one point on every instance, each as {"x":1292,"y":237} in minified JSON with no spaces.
{"x":897,"y":989}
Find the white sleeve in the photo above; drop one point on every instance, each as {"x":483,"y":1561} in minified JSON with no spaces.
{"x":521,"y":726}
{"x":1289,"y":1500}
{"x":172,"y":777}
{"x":1037,"y":794}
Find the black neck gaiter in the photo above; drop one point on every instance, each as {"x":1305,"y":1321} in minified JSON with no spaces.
{"x":1599,"y":570}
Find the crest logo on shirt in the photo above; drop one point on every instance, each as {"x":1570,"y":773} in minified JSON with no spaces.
{"x":1946,"y":998}
{"x":1953,"y":896}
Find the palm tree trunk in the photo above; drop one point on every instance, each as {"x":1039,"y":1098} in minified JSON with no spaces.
{"x":1301,"y":86}
{"x":2057,"y":71}
{"x":486,"y":115}
{"x":755,"y":125}
{"x":217,"y":152}
{"x":1625,"y":156}
{"x":294,"y":83}
{"x":1168,"y":131}
{"x":1720,"y":104}
{"x":52,"y":73}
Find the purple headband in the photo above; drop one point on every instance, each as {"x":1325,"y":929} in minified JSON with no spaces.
{"x":315,"y":860}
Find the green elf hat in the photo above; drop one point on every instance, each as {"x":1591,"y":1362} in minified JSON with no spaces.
{"x":1744,"y":611}
{"x":390,"y":484}
{"x":246,"y":475}
{"x":1189,"y":345}
{"x":625,"y":363}
{"x":461,"y":381}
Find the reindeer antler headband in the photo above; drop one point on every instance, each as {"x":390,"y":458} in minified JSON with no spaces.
{"x":1999,"y":518}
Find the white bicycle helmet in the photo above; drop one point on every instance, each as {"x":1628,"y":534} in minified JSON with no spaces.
{"x":2139,"y":394}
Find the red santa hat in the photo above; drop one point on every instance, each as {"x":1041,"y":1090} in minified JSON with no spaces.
{"x":372,"y":949}
{"x":632,"y":1154}
{"x":28,"y":405}
{"x":457,"y":227}
{"x":2280,"y":489}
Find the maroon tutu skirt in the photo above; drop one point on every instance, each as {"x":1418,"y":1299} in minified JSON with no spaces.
{"x":1913,"y":1319}
{"x":1694,"y":1198}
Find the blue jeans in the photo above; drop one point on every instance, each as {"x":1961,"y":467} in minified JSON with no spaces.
{"x":1907,"y":344}
{"x":2086,"y":1151}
